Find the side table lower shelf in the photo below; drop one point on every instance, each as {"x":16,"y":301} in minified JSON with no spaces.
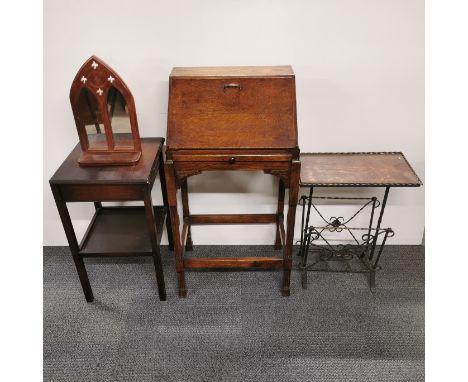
{"x":121,"y":231}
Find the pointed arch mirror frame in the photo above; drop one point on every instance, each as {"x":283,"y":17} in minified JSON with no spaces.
{"x":105,"y":116}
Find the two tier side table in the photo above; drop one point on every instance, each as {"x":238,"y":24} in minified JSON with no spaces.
{"x":121,"y":230}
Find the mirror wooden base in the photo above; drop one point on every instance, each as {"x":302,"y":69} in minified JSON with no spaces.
{"x":89,"y":159}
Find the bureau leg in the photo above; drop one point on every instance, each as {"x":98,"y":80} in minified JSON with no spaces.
{"x":150,"y":221}
{"x":279,"y":214}
{"x":291,"y":219}
{"x":72,"y":242}
{"x":162,"y":179}
{"x":172,"y":201}
{"x":186,"y":211}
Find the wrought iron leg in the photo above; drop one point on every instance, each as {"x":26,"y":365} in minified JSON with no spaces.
{"x":374,"y":242}
{"x":382,"y":210}
{"x":372,"y":279}
{"x":307,"y":237}
{"x":305,"y":224}
{"x":303,"y":198}
{"x":369,"y":232}
{"x":388,"y":233}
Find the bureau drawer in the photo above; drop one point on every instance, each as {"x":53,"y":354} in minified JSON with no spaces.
{"x":231,"y":96}
{"x":184,"y":169}
{"x":232,"y":158}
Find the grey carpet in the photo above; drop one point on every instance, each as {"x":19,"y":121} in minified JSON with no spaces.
{"x":233,"y":326}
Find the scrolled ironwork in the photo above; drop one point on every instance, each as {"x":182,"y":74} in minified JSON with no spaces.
{"x":362,"y":246}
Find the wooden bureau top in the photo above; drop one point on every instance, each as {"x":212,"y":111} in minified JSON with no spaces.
{"x":233,"y":71}
{"x":244,"y":107}
{"x":70,"y":172}
{"x":357,"y":169}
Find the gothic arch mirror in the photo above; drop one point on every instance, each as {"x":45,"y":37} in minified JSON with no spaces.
{"x":105,"y":116}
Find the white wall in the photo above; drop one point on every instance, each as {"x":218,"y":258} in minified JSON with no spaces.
{"x":359,"y":68}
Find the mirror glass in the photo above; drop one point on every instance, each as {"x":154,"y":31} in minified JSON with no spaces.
{"x":91,"y":117}
{"x":120,"y":120}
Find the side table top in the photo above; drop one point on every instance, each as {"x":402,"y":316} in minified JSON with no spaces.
{"x":70,"y":172}
{"x":357,"y":169}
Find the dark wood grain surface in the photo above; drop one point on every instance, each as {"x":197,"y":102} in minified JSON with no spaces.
{"x":70,"y":172}
{"x":233,"y":262}
{"x":379,"y":169}
{"x":244,"y":107}
{"x":121,"y":231}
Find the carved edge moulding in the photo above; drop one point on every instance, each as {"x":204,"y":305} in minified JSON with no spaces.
{"x":105,"y":116}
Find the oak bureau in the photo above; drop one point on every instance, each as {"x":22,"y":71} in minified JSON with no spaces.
{"x":231,"y":119}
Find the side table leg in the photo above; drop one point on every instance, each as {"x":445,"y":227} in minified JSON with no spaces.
{"x":304,"y":278}
{"x":151,"y":222}
{"x":305,"y":224}
{"x":162,"y":179}
{"x":305,"y":248}
{"x":379,"y":222}
{"x":369,"y":231}
{"x":172,"y":200}
{"x":374,"y":242}
{"x":303,"y":198}
{"x":186,"y":212}
{"x":72,"y":242}
{"x":279,"y":213}
{"x":388,"y":233}
{"x":291,"y":219}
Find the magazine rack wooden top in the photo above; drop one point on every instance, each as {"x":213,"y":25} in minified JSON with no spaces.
{"x":358,"y":169}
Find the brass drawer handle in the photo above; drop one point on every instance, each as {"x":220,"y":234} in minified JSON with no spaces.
{"x":232,"y":160}
{"x":232,"y":86}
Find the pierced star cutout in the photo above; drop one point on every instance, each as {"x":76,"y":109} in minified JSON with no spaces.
{"x":99,"y":91}
{"x":111,"y":79}
{"x":84,"y":79}
{"x":94,"y":65}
